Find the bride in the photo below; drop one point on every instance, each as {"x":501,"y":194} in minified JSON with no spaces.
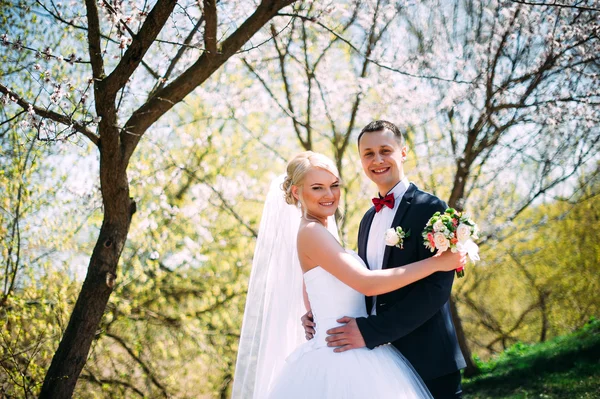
{"x":299,"y":262}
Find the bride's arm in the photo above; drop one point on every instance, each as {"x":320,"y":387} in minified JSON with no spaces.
{"x":316,"y":243}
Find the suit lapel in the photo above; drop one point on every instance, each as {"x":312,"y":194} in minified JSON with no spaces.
{"x":364,"y":235}
{"x":402,"y":209}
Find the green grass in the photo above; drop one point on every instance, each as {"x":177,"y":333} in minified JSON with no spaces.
{"x":567,"y":367}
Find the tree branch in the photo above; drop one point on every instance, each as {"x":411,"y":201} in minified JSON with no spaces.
{"x":12,"y":265}
{"x":215,"y":305}
{"x":110,"y":381}
{"x":373,"y":39}
{"x":177,"y":57}
{"x":71,"y":24}
{"x":202,"y":69}
{"x":63,"y":119}
{"x":210,"y":28}
{"x":309,"y":78}
{"x":379,"y":64}
{"x":288,"y":112}
{"x":494,"y":63}
{"x":257,"y":137}
{"x":141,"y":43}
{"x":226,"y":205}
{"x":532,"y":3}
{"x":95,"y":49}
{"x":286,"y":85}
{"x":12,"y":119}
{"x":142,"y":364}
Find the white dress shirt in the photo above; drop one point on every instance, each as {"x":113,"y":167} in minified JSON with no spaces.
{"x":381,"y":222}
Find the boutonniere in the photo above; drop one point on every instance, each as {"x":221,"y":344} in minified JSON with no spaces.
{"x":395,"y":236}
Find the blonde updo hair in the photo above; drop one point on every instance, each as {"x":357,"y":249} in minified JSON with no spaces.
{"x":299,"y":166}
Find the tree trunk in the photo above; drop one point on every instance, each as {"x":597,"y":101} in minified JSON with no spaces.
{"x":72,"y":352}
{"x":456,"y":201}
{"x":471,"y":369}
{"x":544,"y":311}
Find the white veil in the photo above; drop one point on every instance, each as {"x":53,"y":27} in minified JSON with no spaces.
{"x":271,"y":328}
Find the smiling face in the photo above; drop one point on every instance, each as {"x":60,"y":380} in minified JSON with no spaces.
{"x":319,"y":193}
{"x":382,"y":158}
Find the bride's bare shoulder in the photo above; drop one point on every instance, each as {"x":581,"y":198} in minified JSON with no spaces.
{"x":309,"y":228}
{"x":313,"y":234}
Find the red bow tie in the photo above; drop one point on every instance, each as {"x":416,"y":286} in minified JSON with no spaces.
{"x":388,"y":201}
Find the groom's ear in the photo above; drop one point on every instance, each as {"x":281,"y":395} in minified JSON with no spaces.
{"x":404,"y":151}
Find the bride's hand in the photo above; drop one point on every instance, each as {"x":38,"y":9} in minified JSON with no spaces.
{"x":452,"y":260}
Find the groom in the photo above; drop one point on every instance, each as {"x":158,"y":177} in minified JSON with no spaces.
{"x":415,"y":319}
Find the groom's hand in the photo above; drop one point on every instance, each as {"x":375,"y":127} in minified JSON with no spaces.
{"x":308,"y":324}
{"x":345,"y":337}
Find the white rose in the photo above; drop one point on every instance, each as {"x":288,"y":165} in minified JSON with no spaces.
{"x":438,"y":226}
{"x":441,"y":242}
{"x":391,"y":237}
{"x":463,"y":233}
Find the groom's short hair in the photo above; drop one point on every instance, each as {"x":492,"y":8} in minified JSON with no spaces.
{"x":381,"y":125}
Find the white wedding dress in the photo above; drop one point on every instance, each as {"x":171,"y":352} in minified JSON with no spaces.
{"x":315,"y":371}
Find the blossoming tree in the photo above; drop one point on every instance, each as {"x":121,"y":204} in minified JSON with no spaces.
{"x":142,"y":59}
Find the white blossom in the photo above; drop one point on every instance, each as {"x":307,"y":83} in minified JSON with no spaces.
{"x":57,"y":94}
{"x":47,"y":53}
{"x":18,"y":45}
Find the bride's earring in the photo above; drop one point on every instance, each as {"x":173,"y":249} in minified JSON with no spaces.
{"x":299,"y":205}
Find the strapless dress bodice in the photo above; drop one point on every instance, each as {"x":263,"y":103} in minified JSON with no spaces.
{"x":330,"y":299}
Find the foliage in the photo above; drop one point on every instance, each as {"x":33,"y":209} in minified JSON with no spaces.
{"x":539,"y":281}
{"x":565,"y":367}
{"x":32,"y":322}
{"x":38,"y":288}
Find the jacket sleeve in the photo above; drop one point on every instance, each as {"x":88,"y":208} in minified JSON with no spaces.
{"x":423,"y":300}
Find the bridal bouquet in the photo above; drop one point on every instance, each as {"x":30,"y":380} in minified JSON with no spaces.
{"x":452,"y":230}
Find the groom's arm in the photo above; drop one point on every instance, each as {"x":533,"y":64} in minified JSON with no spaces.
{"x":424,"y":299}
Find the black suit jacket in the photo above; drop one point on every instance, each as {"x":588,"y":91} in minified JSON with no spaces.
{"x":416,"y":318}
